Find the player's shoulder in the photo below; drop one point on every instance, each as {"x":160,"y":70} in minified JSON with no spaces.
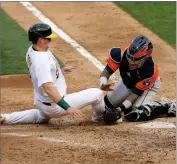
{"x":116,"y":53}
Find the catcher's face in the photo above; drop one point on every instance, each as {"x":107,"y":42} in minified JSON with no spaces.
{"x":136,"y":62}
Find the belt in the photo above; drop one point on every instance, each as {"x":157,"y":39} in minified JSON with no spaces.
{"x":48,"y":104}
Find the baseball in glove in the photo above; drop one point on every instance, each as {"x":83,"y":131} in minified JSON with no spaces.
{"x":111,"y":116}
{"x":107,"y":87}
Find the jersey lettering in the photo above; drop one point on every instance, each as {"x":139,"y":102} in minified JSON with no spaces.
{"x":57,"y":67}
{"x":29,"y":61}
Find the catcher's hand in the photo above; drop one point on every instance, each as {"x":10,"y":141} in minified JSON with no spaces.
{"x":107,"y":87}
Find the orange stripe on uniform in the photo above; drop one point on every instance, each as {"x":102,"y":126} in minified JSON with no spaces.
{"x":112,"y":64}
{"x":123,"y":48}
{"x":146,"y":84}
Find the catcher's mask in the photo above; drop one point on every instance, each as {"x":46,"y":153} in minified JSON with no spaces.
{"x":138,"y":51}
{"x":40,"y":30}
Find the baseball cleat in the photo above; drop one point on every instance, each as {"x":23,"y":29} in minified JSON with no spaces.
{"x":119,"y":120}
{"x":97,"y":119}
{"x":2,"y":119}
{"x":171,"y":104}
{"x":172,"y":110}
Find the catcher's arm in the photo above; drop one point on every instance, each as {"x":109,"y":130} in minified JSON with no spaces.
{"x":113,"y":63}
{"x":137,"y":91}
{"x":104,"y":77}
{"x":128,"y":102}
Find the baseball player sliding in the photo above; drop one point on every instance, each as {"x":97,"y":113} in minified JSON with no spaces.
{"x":49,"y":85}
{"x":134,"y":93}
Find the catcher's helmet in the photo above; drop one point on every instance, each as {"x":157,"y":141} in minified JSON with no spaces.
{"x":40,"y":30}
{"x":138,"y":51}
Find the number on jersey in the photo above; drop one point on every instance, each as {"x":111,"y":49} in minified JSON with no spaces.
{"x":29,"y":61}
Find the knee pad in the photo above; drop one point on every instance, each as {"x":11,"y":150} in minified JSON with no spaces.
{"x":131,"y":114}
{"x":108,"y":103}
{"x":141,"y":113}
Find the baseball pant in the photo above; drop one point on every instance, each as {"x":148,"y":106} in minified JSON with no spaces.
{"x":121,"y":93}
{"x":44,"y":113}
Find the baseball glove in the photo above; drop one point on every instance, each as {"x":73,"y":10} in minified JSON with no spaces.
{"x":111,"y":116}
{"x":107,"y":87}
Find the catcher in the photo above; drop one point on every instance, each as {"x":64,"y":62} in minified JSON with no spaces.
{"x":139,"y":83}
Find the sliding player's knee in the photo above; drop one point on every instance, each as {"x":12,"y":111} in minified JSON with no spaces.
{"x":98,"y":94}
{"x":40,"y":117}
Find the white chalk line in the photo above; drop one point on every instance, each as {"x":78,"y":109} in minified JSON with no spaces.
{"x":66,"y":142}
{"x":14,"y":134}
{"x":66,"y":37}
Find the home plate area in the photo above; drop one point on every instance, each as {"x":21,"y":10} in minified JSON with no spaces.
{"x":162,"y":125}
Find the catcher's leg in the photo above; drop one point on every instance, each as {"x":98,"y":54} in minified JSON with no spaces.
{"x":148,"y":96}
{"x":150,"y":112}
{"x":143,"y":108}
{"x":112,"y":100}
{"x":25,"y":117}
{"x":115,"y":98}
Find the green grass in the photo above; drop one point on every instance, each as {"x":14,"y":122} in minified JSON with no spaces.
{"x":60,"y":62}
{"x":159,"y":17}
{"x":14,"y":46}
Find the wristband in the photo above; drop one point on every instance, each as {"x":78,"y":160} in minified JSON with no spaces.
{"x":63,"y":104}
{"x":103,"y":80}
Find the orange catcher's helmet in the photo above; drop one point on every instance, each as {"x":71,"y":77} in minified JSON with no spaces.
{"x":138,"y":51}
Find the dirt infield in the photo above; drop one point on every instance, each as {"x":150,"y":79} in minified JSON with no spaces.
{"x":80,"y":141}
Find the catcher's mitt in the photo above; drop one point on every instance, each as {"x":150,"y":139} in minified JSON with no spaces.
{"x":111,"y":116}
{"x":107,"y":87}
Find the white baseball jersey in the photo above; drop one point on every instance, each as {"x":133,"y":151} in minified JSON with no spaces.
{"x":43,"y":67}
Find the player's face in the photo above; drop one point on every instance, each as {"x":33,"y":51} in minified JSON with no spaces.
{"x":136,"y":62}
{"x":47,"y":42}
{"x":44,"y":42}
